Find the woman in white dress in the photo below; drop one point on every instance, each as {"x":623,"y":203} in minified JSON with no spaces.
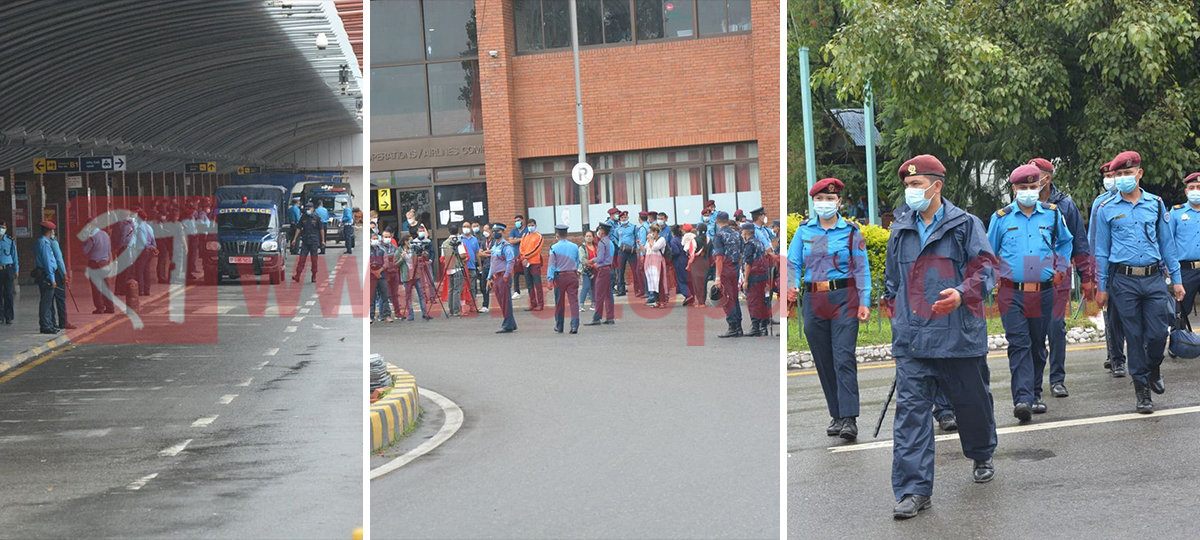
{"x":656,"y":265}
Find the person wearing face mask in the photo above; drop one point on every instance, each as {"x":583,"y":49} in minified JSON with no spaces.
{"x":409,"y":224}
{"x":626,"y":237}
{"x":754,"y":269}
{"x":309,"y":237}
{"x":827,"y":259}
{"x":640,"y":233}
{"x":939,"y":333}
{"x":1185,"y":229}
{"x":601,"y":266}
{"x":471,"y":243}
{"x":761,"y":231}
{"x":378,"y":285}
{"x":391,"y":273}
{"x":98,"y":249}
{"x":1081,"y":256}
{"x":1134,"y":249}
{"x":1114,"y":336}
{"x":727,"y":257}
{"x":454,"y":264}
{"x":143,"y":237}
{"x":46,"y":274}
{"x":563,"y":275}
{"x":500,"y":274}
{"x":10,"y":268}
{"x":531,"y":257}
{"x":514,"y":239}
{"x":587,"y":251}
{"x":484,"y":233}
{"x":294,"y":213}
{"x":348,"y":228}
{"x":1034,"y":244}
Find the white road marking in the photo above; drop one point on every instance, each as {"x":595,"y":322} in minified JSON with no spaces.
{"x":140,"y":482}
{"x":205,"y":421}
{"x":454,"y":420}
{"x":311,"y":302}
{"x":226,"y":399}
{"x":260,"y":366}
{"x":245,"y":382}
{"x":285,"y":338}
{"x":305,"y":310}
{"x":297,"y":319}
{"x":272,"y":351}
{"x":1033,"y":427}
{"x":289,"y":329}
{"x":172,"y":451}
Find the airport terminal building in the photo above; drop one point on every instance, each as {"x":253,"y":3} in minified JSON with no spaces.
{"x":473,"y":109}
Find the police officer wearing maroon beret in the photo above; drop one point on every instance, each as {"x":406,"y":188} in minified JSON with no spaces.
{"x":1134,"y":251}
{"x":827,"y":260}
{"x":1081,"y":255}
{"x":939,"y":267}
{"x":1114,"y":336}
{"x":1185,"y":229}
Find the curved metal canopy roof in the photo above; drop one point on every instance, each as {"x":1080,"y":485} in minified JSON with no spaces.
{"x":163,"y":83}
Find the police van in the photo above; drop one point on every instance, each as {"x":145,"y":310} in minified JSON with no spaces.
{"x":249,"y":234}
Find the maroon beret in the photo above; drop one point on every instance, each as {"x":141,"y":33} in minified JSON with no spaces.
{"x":624,"y":213}
{"x":710,"y":203}
{"x":643,"y":214}
{"x":1025,"y":174}
{"x":612,"y":211}
{"x":739,"y":213}
{"x":1126,"y":160}
{"x":1042,"y":164}
{"x":827,"y":185}
{"x":1105,"y":168}
{"x":923,"y":165}
{"x":48,"y":225}
{"x":1194,"y":177}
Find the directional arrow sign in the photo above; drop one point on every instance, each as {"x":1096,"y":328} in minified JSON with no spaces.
{"x":249,"y":170}
{"x":39,"y":165}
{"x":118,"y":163}
{"x":62,"y":165}
{"x":101,"y":163}
{"x":210,"y":166}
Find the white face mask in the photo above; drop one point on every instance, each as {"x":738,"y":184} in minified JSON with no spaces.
{"x":421,"y":234}
{"x":915,"y":198}
{"x":2,"y":231}
{"x":825,"y":209}
{"x":1193,"y":197}
{"x":1109,"y":183}
{"x":1027,"y":197}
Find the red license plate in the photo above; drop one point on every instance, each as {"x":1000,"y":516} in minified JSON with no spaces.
{"x":241,"y":260}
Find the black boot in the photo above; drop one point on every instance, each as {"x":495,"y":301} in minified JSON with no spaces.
{"x":849,"y":428}
{"x":735,"y":330}
{"x":1157,"y":384}
{"x":835,"y":427}
{"x":1144,"y":404}
{"x":756,"y":329}
{"x":910,"y":505}
{"x":984,"y":471}
{"x":1118,"y":370}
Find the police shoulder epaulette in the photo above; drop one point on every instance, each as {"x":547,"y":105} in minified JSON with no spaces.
{"x":1051,"y":206}
{"x":853,"y":224}
{"x":1002,"y":211}
{"x":1177,"y":207}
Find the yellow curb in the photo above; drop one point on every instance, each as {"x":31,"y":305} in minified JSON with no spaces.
{"x":396,"y":413}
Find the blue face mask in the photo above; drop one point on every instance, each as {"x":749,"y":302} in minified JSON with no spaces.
{"x":1193,"y":197}
{"x":825,"y":209}
{"x":1027,"y":197}
{"x":915,"y":198}
{"x":532,"y":228}
{"x":1109,"y":183}
{"x":1126,"y":183}
{"x":517,"y":224}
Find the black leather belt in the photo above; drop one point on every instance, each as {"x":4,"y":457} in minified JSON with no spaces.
{"x":4,"y":266}
{"x":1189,"y":265}
{"x":1140,"y":271}
{"x":1034,"y":286}
{"x":825,"y":286}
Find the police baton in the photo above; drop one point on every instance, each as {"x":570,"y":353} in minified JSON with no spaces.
{"x":883,"y":413}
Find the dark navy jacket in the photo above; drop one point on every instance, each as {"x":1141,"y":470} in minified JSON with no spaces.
{"x":942,"y":263}
{"x":1081,"y":251}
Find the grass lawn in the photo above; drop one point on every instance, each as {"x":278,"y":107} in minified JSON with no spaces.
{"x":878,"y":331}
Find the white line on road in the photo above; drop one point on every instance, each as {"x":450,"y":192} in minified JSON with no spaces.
{"x":226,"y":399}
{"x":311,"y":302}
{"x":172,"y":451}
{"x":205,"y":421}
{"x":454,"y":420}
{"x":260,"y":366}
{"x":272,"y":351}
{"x":137,"y":484}
{"x":305,"y":310}
{"x":1032,"y":427}
{"x":297,"y":319}
{"x":245,"y":382}
{"x":290,"y":329}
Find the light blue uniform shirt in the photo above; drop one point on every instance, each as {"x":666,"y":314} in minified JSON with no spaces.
{"x":564,"y":257}
{"x":625,"y":234}
{"x":1129,"y":234}
{"x":1092,"y":217}
{"x":347,"y":216}
{"x":816,"y":255}
{"x":640,"y":232}
{"x":46,"y":259}
{"x":322,"y":213}
{"x":1185,"y":229}
{"x":294,"y":213}
{"x":1024,"y":243}
{"x":503,"y":254}
{"x":923,"y":229}
{"x":764,"y":235}
{"x":8,"y":253}
{"x":58,"y":258}
{"x":98,"y":247}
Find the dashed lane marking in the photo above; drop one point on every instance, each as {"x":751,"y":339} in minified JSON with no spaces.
{"x":272,"y":351}
{"x":311,"y":303}
{"x":297,"y":319}
{"x":245,"y":382}
{"x":141,"y":482}
{"x":172,"y":451}
{"x":305,"y":310}
{"x":260,"y":366}
{"x":289,"y":329}
{"x":226,"y":399}
{"x":201,"y":422}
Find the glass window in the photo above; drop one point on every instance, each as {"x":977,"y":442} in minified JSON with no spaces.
{"x":614,"y":161}
{"x":591,"y":22}
{"x":449,"y":29}
{"x":673,"y":156}
{"x":618,"y":25}
{"x":454,"y":99}
{"x":718,"y":16}
{"x":529,"y":25}
{"x":412,"y":177}
{"x":556,"y":21}
{"x":657,"y":19}
{"x":396,"y":32}
{"x":445,"y":175}
{"x":616,"y":189}
{"x":398,"y":109}
{"x":730,"y":152}
{"x":463,"y":198}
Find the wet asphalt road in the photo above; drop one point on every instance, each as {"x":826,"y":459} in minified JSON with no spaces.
{"x":617,"y":432}
{"x":1119,"y":479}
{"x":90,"y":438}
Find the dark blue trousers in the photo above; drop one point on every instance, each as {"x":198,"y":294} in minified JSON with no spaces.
{"x":1114,"y":337}
{"x":1026,"y":322}
{"x":681,"y":276}
{"x":832,"y":333}
{"x":1058,"y":351}
{"x":941,"y":404}
{"x":1146,"y":311}
{"x":7,"y":290}
{"x":46,"y":305}
{"x":1191,"y":284}
{"x":966,"y":382}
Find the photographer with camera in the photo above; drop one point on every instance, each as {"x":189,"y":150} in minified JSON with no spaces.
{"x":419,"y":275}
{"x":454,"y":260}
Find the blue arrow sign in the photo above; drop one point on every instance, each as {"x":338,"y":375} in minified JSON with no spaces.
{"x":101,"y":163}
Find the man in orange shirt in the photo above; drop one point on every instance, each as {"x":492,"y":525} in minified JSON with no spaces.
{"x":531,"y":253}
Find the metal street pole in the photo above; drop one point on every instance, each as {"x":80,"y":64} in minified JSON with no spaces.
{"x":869,"y":129}
{"x":585,"y":199}
{"x":810,"y":152}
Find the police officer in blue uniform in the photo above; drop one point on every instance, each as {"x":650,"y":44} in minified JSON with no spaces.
{"x":309,"y":236}
{"x":1185,"y":229}
{"x":1081,"y":255}
{"x":563,"y":275}
{"x":500,"y":275}
{"x":624,"y":233}
{"x":1034,"y":244}
{"x":640,"y":233}
{"x":47,"y":278}
{"x":828,"y":258}
{"x":761,"y":231}
{"x":294,"y":213}
{"x":1134,"y":249}
{"x":727,"y":258}
{"x":10,"y":268}
{"x":1114,"y":337}
{"x":939,"y":266}
{"x":348,"y":228}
